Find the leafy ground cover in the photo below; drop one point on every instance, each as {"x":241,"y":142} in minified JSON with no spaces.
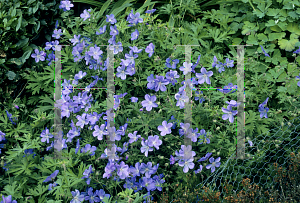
{"x":144,"y":150}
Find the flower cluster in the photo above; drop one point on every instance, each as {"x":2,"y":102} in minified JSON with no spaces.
{"x":116,"y":168}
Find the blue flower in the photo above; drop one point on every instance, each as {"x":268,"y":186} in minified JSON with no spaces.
{"x":228,"y":88}
{"x":65,"y":5}
{"x":229,"y":113}
{"x":77,"y":146}
{"x":229,"y":63}
{"x":149,"y":103}
{"x":150,"y":49}
{"x":263,"y":112}
{"x":264,"y":51}
{"x":298,"y":77}
{"x":136,"y":50}
{"x":133,"y":137}
{"x":160,"y":83}
{"x":134,"y":99}
{"x":39,"y":56}
{"x":185,"y":68}
{"x":113,"y":30}
{"x":101,"y":194}
{"x":181,"y":99}
{"x":85,"y":15}
{"x":134,"y":18}
{"x":101,"y":30}
{"x":205,"y":157}
{"x":165,"y":128}
{"x":51,"y":177}
{"x":7,"y":199}
{"x":75,"y":40}
{"x":95,"y":52}
{"x":57,"y":33}
{"x":204,"y":76}
{"x":77,"y":198}
{"x":173,"y":66}
{"x":214,"y":163}
{"x":297,"y":51}
{"x":111,"y":19}
{"x":150,"y":11}
{"x":134,"y":35}
{"x":2,"y":136}
{"x":145,"y":148}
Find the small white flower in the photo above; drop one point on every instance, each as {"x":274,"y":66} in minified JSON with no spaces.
{"x":276,"y":21}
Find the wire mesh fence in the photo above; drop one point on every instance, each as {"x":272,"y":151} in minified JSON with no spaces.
{"x":275,"y":146}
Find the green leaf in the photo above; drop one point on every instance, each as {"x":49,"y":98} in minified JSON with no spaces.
{"x":16,"y":61}
{"x":22,"y":42}
{"x":293,"y":28}
{"x":252,"y":39}
{"x":37,"y":26}
{"x":282,"y":89}
{"x":92,"y":2}
{"x":276,"y":36}
{"x":262,"y":37}
{"x":282,"y":77}
{"x":147,"y":3}
{"x":26,"y":54}
{"x":35,"y":8}
{"x":288,"y":45}
{"x":13,"y":13}
{"x":19,"y":23}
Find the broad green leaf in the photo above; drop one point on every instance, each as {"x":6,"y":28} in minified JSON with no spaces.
{"x":282,"y":77}
{"x":288,"y":45}
{"x":22,"y":42}
{"x":282,"y":89}
{"x":276,"y":36}
{"x":37,"y":26}
{"x":16,"y":61}
{"x":19,"y":23}
{"x":262,"y":37}
{"x":282,"y":25}
{"x":293,"y":28}
{"x":236,"y":41}
{"x":13,"y":13}
{"x":252,"y":39}
{"x":248,"y":28}
{"x":273,"y":12}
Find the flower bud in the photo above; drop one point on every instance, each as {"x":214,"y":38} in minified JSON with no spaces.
{"x":153,"y":163}
{"x":282,"y":124}
{"x":166,"y":164}
{"x":218,"y":153}
{"x":159,"y":110}
{"x":176,"y":164}
{"x":214,"y":120}
{"x":158,"y":103}
{"x":179,"y":143}
{"x":172,"y":144}
{"x":276,"y":145}
{"x":213,"y":151}
{"x":289,"y":124}
{"x":168,"y":147}
{"x":140,"y":161}
{"x":294,"y":100}
{"x":218,"y":128}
